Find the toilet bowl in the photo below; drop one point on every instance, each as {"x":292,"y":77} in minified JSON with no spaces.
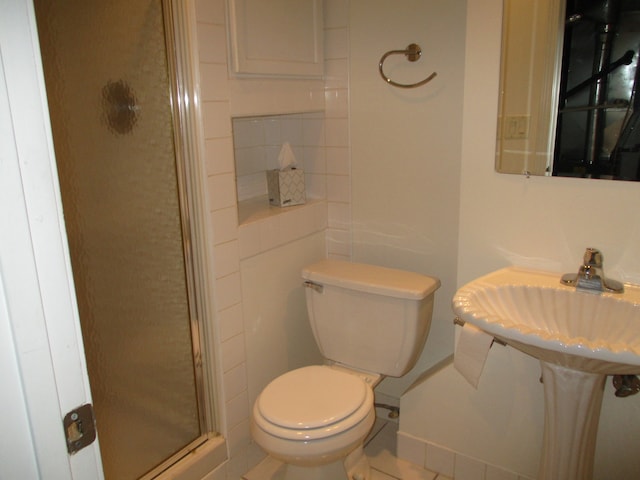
{"x":314,"y":415}
{"x":368,"y":322}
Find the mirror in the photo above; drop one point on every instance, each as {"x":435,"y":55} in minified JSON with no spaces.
{"x":568,"y":82}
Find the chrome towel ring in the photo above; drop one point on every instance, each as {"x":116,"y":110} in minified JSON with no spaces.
{"x":413,"y":53}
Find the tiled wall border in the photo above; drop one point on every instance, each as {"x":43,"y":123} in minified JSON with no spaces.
{"x":223,"y":223}
{"x":448,"y":462}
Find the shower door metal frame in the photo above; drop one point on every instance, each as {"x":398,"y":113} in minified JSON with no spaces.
{"x":179,"y":25}
{"x":186,"y":155}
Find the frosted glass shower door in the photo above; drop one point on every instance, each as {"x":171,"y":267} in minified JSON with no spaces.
{"x":109,"y":99}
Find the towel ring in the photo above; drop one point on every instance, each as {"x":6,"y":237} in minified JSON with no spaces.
{"x":413,"y":53}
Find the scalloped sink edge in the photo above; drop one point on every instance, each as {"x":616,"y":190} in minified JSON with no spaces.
{"x":533,"y":312}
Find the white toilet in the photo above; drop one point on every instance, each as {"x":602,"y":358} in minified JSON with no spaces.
{"x":369,"y":322}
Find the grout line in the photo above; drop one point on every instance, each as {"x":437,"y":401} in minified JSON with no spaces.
{"x":387,"y":474}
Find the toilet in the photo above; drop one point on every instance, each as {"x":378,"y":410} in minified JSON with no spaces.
{"x":369,"y":322}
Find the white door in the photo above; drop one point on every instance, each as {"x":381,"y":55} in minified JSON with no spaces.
{"x":42,"y":366}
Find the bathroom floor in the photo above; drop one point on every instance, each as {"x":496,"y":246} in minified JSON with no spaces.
{"x":380,"y":448}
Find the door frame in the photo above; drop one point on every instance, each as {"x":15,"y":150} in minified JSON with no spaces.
{"x":37,"y":298}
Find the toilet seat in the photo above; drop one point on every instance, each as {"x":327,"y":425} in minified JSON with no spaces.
{"x":313,"y":403}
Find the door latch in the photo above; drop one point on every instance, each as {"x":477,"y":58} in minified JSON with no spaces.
{"x":79,"y":428}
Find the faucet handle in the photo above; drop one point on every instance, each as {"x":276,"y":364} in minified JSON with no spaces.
{"x":593,"y":257}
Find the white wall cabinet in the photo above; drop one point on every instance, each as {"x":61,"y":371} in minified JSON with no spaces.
{"x":276,"y":38}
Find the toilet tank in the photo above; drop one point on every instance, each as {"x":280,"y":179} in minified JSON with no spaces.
{"x":367,"y":317}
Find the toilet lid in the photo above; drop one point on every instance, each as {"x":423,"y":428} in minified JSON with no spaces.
{"x":311,"y":397}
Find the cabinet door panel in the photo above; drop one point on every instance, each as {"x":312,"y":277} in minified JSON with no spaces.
{"x":276,"y":38}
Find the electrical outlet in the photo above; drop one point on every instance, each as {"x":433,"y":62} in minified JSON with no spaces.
{"x":516,"y":127}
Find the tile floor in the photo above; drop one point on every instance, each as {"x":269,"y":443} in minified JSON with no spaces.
{"x":380,"y":447}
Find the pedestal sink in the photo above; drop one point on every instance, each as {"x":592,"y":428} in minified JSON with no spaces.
{"x":579,"y":338}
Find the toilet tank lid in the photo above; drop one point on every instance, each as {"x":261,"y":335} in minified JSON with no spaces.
{"x":371,"y":279}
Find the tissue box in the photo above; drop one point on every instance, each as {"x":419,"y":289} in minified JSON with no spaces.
{"x":286,"y":187}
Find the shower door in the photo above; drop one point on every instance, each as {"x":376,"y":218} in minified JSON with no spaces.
{"x":109,"y":94}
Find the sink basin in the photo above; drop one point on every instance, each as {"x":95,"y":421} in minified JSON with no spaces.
{"x":531,"y":311}
{"x":579,"y":338}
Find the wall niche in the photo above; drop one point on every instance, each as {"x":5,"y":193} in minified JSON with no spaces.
{"x":257,"y":144}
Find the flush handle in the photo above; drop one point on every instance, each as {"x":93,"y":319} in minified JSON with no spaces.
{"x":315,"y":286}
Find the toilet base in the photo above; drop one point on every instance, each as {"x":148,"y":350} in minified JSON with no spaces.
{"x":354,"y":467}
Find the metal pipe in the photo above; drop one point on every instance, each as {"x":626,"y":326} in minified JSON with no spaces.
{"x":596,"y":117}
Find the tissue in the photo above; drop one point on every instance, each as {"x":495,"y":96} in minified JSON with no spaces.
{"x":471,"y":352}
{"x":286,"y":158}
{"x":285,"y":185}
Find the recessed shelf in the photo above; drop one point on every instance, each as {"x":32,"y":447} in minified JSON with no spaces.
{"x":258,"y":208}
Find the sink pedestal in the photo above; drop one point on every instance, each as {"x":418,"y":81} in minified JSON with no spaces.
{"x":572,"y":410}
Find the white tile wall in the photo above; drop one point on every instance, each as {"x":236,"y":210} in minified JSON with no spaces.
{"x":469,"y":468}
{"x":439,"y":459}
{"x":221,"y":192}
{"x":224,"y":223}
{"x":219,"y":155}
{"x":448,"y":463}
{"x":223,"y":97}
{"x":411,"y":449}
{"x":235,"y":381}
{"x":495,"y":473}
{"x":266,"y":233}
{"x":338,"y":167}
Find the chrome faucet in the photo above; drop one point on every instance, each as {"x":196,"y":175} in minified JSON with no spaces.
{"x":590,"y":276}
